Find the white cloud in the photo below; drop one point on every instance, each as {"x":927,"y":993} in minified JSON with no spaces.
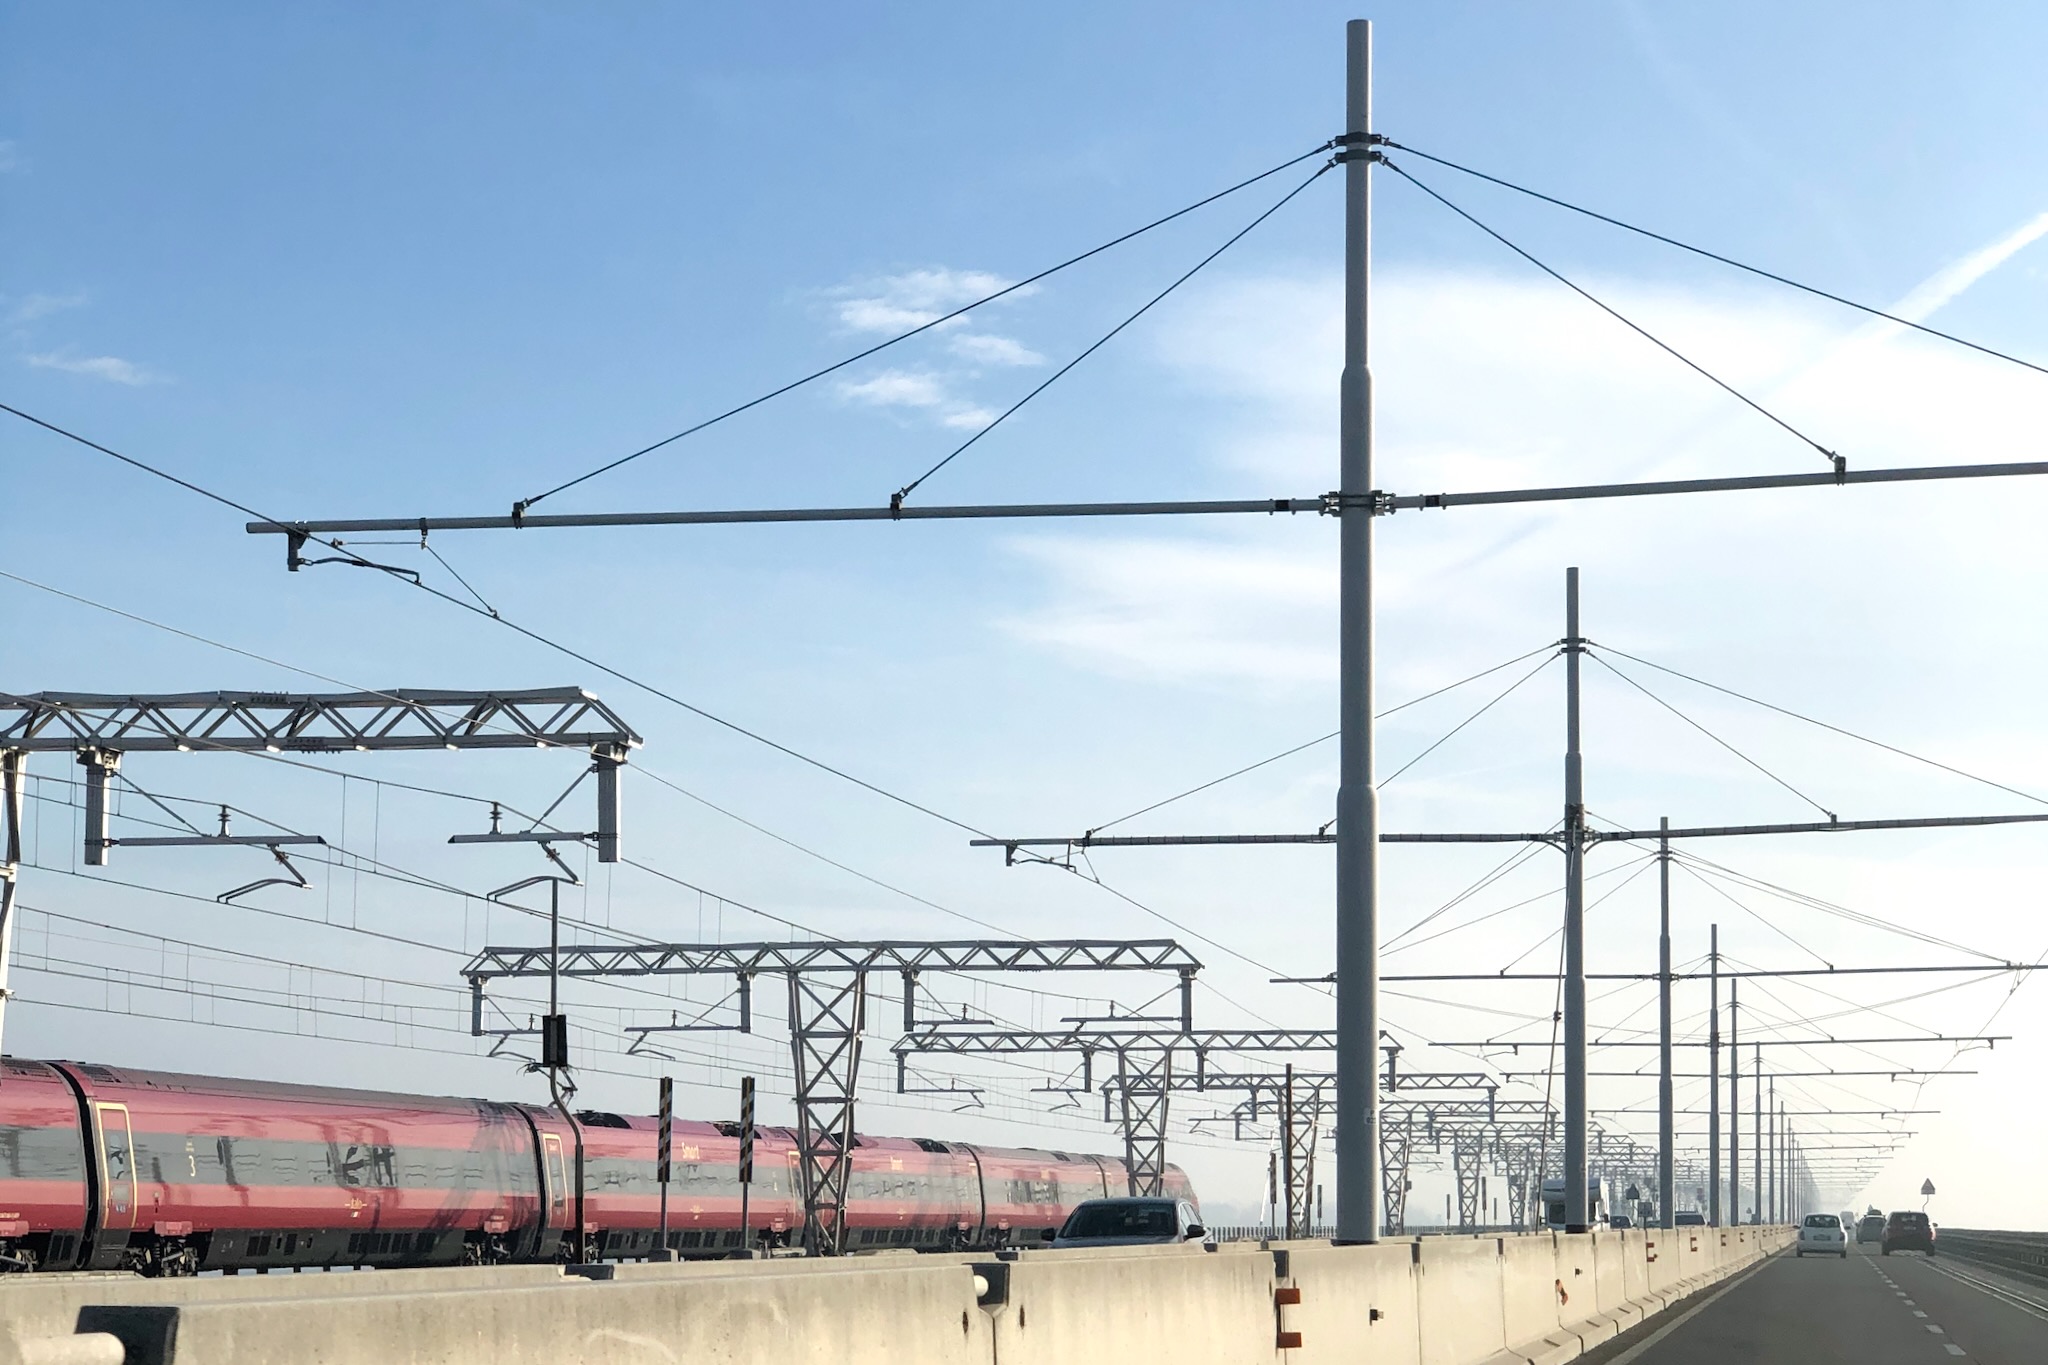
{"x":920,"y":391}
{"x":985,"y":348}
{"x":36,"y":306}
{"x":967,"y":418}
{"x":893,"y":304}
{"x":110,"y":368}
{"x":897,"y":303}
{"x":896,"y":389}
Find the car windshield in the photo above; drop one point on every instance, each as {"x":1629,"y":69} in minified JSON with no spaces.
{"x":1133,"y":1219}
{"x":1822,"y":1220}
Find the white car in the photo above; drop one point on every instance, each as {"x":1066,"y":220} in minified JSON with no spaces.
{"x":1822,"y":1233}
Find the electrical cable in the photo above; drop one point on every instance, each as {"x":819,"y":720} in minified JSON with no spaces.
{"x":1758,"y":271}
{"x":1809,"y":720}
{"x":463,"y":796}
{"x":1529,"y":852}
{"x":1486,"y":879}
{"x":1837,"y":462}
{"x":896,"y":501}
{"x":520,"y":508}
{"x":1320,"y":739}
{"x":407,"y":576}
{"x":1716,"y":738}
{"x":1796,"y":897}
{"x":1453,"y":731}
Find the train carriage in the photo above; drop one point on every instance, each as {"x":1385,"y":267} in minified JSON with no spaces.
{"x":199,"y":1173}
{"x":44,"y":1193}
{"x":109,"y":1168}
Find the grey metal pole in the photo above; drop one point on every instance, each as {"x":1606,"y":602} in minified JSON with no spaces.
{"x":1575,"y":1213}
{"x":1774,"y":1148}
{"x":1734,"y":1106}
{"x":1287,"y":1172}
{"x":1667,"y":1114}
{"x":1757,"y":1141}
{"x":13,"y":782}
{"x":1358,"y":816}
{"x":1714,"y":1076}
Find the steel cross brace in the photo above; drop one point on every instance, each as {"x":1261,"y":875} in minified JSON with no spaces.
{"x":1300,"y":1117}
{"x":1468,"y":1152}
{"x":1397,"y":1142}
{"x":826,"y":1016}
{"x":1144,"y":1086}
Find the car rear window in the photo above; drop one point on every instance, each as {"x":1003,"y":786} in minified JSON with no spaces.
{"x":1822,"y":1220}
{"x":1122,"y":1220}
{"x":1910,"y":1220}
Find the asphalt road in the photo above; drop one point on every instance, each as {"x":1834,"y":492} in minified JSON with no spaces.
{"x":1902,"y":1309}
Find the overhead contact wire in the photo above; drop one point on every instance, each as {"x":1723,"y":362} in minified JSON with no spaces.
{"x":407,"y":576}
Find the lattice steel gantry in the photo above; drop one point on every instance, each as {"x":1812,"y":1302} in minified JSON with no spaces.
{"x":828,"y":991}
{"x":1151,"y":1063}
{"x":99,"y":728}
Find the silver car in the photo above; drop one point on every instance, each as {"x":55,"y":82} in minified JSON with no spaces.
{"x":1129,"y":1223}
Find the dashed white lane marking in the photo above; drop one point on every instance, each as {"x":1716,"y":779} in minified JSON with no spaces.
{"x":1952,"y":1348}
{"x":1918,"y":1314}
{"x":1936,"y":1330}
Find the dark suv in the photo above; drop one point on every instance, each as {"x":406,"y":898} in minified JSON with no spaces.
{"x":1907,"y":1232}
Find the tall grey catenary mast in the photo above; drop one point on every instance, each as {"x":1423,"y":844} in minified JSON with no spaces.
{"x":1714,"y":1075}
{"x":1358,"y":814}
{"x":1667,"y":1116}
{"x":1576,"y":1213}
{"x":1734,"y":1106}
{"x":1757,"y":1168}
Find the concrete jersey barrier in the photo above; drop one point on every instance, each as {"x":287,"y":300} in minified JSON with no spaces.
{"x":1539,"y":1299}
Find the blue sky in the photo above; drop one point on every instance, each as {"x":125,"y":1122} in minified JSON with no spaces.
{"x":384,"y":261}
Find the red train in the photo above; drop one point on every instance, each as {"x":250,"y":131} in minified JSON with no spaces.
{"x":105,"y":1169}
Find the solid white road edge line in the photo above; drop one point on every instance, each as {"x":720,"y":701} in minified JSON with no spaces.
{"x":1689,"y":1314}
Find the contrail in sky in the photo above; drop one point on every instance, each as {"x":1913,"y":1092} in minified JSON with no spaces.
{"x":1927,"y":297}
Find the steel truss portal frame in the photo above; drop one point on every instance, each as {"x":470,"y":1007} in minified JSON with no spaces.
{"x":1148,"y":1070}
{"x":828,"y":991}
{"x":101,"y":727}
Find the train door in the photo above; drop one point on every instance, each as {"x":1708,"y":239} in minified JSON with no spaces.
{"x":557,"y":1193}
{"x":117,"y":1168}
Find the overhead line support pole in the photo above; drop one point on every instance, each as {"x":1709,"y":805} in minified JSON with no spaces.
{"x":1576,"y":1214}
{"x":1714,"y":1075}
{"x":13,"y":783}
{"x":1358,"y":1182}
{"x":1734,"y":1106}
{"x":1667,"y":1119}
